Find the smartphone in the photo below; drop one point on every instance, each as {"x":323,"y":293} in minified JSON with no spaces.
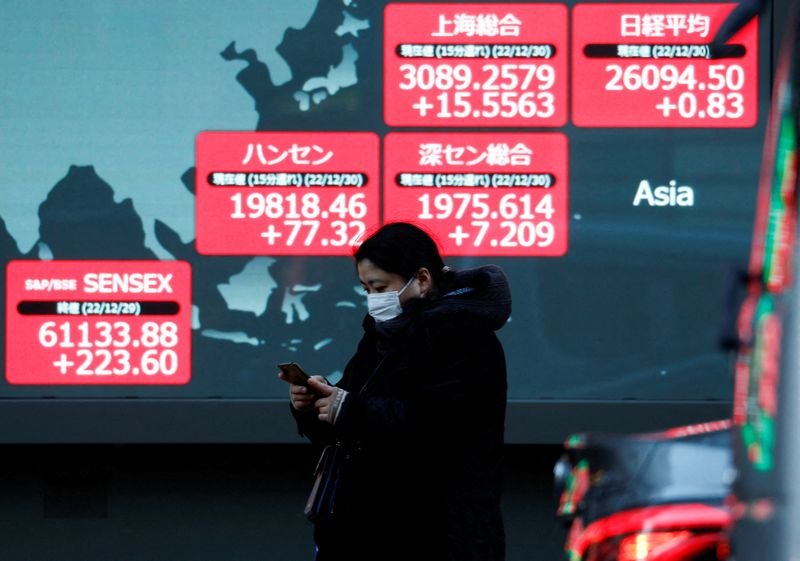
{"x":294,"y":373}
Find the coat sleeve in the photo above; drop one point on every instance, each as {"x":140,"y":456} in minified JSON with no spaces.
{"x":462,"y":380}
{"x":309,"y":426}
{"x":308,"y":423}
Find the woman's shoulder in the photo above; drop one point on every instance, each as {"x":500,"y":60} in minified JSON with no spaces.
{"x":480,"y":298}
{"x":461,"y":329}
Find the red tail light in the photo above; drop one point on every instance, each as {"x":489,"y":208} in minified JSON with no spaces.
{"x":674,"y":533}
{"x":641,"y":546}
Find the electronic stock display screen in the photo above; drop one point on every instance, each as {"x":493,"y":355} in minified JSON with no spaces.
{"x":180,"y":201}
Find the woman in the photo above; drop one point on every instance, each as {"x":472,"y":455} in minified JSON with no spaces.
{"x":419,"y":412}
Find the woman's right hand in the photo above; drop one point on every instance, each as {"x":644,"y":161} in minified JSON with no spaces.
{"x":302,"y":398}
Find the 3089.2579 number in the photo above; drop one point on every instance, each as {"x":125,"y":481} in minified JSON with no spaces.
{"x":460,"y":77}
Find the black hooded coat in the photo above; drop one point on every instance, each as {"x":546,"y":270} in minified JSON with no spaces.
{"x":423,"y":423}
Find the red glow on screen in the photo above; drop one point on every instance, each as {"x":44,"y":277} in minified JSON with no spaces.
{"x":484,"y":64}
{"x":649,"y":65}
{"x":481,"y":194}
{"x":98,"y":322}
{"x":285,"y":193}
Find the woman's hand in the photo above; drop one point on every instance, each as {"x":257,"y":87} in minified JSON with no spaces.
{"x":303,"y":397}
{"x":329,"y":402}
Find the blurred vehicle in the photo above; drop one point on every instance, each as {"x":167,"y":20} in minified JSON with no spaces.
{"x":660,"y":497}
{"x":653,"y":497}
{"x":765,"y":501}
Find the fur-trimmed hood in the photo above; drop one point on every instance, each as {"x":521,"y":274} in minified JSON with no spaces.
{"x":482,"y":292}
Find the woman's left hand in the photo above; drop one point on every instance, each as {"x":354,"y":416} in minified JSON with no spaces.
{"x":331,"y":399}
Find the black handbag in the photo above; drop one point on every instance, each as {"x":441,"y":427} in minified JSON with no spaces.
{"x":321,"y":503}
{"x":329,"y":474}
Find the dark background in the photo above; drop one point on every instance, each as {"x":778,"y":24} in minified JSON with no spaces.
{"x":194,"y":502}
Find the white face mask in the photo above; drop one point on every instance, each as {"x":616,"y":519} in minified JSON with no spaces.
{"x":384,"y":306}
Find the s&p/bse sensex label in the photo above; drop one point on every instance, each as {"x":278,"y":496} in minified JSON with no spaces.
{"x":285,"y":193}
{"x":489,"y":64}
{"x":502,"y":194}
{"x":651,"y":65}
{"x":98,"y":322}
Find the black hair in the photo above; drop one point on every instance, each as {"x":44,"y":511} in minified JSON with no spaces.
{"x":403,"y":249}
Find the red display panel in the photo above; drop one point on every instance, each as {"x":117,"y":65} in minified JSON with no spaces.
{"x":501,"y":194}
{"x":473,"y":65}
{"x":648,"y":65}
{"x":98,"y":322}
{"x":285,"y":193}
